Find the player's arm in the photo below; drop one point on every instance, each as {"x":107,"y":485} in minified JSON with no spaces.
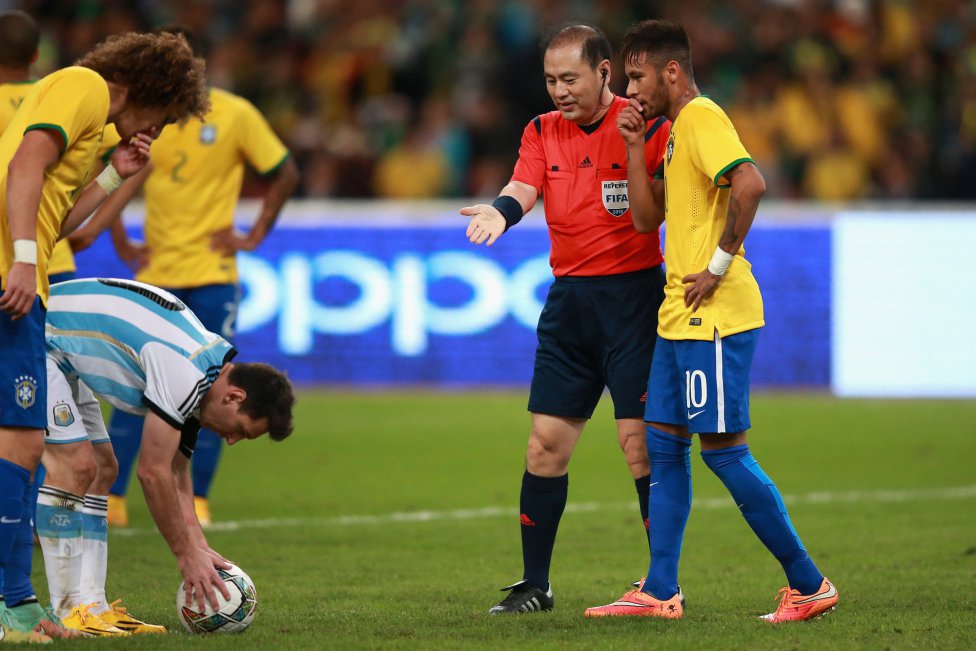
{"x":184,"y":486}
{"x":39,"y":150}
{"x":109,"y":212}
{"x":646,"y":196}
{"x":748,"y":187}
{"x":283,"y":183}
{"x":488,"y":222}
{"x":127,"y":159}
{"x":160,"y":479}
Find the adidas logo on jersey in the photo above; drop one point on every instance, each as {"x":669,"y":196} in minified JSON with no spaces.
{"x":586,"y":163}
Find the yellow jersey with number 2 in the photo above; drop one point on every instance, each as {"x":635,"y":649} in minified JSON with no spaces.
{"x":73,"y":103}
{"x":703,"y":146}
{"x":198,"y":169}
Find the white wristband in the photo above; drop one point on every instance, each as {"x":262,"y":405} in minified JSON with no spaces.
{"x":720,"y":262}
{"x":109,"y":179}
{"x":25,"y":251}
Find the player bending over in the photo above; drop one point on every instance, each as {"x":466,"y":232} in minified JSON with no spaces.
{"x":143,"y":351}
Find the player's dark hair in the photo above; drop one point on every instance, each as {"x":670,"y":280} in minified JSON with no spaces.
{"x":158,"y":71}
{"x":660,"y":41}
{"x":269,"y":395}
{"x":594,"y":45}
{"x":19,"y":37}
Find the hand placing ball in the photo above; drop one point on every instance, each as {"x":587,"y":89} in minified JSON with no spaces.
{"x":232,"y":616}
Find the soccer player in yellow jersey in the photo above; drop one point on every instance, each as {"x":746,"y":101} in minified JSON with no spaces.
{"x":191,"y":191}
{"x":708,"y":325}
{"x":138,"y":82}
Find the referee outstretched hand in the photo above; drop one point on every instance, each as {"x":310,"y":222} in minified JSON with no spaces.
{"x":486,"y":224}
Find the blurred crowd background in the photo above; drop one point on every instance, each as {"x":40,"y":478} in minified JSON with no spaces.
{"x":835,"y":99}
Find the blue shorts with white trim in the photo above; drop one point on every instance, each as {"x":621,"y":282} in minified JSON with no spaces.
{"x":702,"y":385}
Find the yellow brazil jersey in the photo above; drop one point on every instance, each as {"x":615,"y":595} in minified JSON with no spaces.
{"x":703,"y":146}
{"x":73,"y":103}
{"x":198,"y":169}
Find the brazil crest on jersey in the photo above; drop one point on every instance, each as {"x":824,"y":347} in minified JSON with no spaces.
{"x":703,"y":146}
{"x":134,"y":345}
{"x":194,"y":187}
{"x":73,"y":104}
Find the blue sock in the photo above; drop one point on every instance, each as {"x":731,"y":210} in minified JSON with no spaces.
{"x":14,"y":483}
{"x":541,"y":506}
{"x":643,"y":486}
{"x":763,"y":508}
{"x":126,"y":432}
{"x":17,"y":587}
{"x":206,"y":454}
{"x":669,"y":504}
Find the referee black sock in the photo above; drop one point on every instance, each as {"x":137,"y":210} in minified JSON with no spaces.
{"x":643,"y":486}
{"x":541,"y":506}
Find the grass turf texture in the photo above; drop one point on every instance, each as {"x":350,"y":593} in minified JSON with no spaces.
{"x":904,"y":563}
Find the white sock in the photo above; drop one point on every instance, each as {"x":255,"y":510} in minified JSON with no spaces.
{"x":95,"y":543}
{"x":59,"y":528}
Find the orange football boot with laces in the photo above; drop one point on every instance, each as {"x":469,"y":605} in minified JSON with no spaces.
{"x":795,"y":607}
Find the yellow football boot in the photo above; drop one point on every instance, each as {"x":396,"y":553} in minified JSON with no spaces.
{"x":120,"y":618}
{"x":80,"y":619}
{"x":118,"y":513}
{"x":202,"y":507}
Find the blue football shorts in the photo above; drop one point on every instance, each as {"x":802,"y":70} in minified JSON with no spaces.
{"x":215,"y":306}
{"x":23,"y":378}
{"x":702,"y":385}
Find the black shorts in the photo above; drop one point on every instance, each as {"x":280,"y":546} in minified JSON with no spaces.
{"x":596,"y":332}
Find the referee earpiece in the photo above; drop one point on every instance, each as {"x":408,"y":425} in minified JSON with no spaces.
{"x":603,"y":74}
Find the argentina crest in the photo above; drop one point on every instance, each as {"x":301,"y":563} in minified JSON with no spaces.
{"x":63,"y":415}
{"x":615,"y":198}
{"x":26,"y":389}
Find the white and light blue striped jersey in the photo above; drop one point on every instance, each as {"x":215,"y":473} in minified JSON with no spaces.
{"x":135,"y":346}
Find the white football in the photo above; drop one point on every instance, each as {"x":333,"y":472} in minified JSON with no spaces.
{"x":233,"y":615}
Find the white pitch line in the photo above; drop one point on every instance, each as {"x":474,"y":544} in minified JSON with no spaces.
{"x":823,"y":497}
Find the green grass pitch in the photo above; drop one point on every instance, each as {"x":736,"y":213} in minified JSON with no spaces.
{"x":389,"y":521}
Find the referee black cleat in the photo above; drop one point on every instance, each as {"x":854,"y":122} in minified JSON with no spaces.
{"x":523,"y":598}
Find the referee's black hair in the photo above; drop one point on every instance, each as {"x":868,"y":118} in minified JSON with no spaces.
{"x":595,"y":44}
{"x":660,"y":41}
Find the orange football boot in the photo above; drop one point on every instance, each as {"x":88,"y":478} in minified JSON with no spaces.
{"x":795,"y":607}
{"x":640,"y":604}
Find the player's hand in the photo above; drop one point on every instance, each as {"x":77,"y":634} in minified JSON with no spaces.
{"x":219,"y":562}
{"x":200,"y":578}
{"x":130,"y":157}
{"x":631,"y":123}
{"x":228,"y":242}
{"x":486,"y":225}
{"x":135,"y":255}
{"x":699,"y":287}
{"x":21,"y":290}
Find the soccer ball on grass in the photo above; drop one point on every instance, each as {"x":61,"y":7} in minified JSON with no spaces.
{"x":232,"y":616}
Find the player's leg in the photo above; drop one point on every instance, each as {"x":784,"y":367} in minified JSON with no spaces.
{"x":566,"y":386}
{"x":726,"y":452}
{"x":22,"y":421}
{"x":669,"y":498}
{"x":216,"y":307}
{"x":95,"y":544}
{"x":53,"y":528}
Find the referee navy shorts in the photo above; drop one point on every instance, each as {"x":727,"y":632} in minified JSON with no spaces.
{"x":596,"y":332}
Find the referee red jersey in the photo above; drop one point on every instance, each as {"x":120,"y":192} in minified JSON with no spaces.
{"x":583,"y":180}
